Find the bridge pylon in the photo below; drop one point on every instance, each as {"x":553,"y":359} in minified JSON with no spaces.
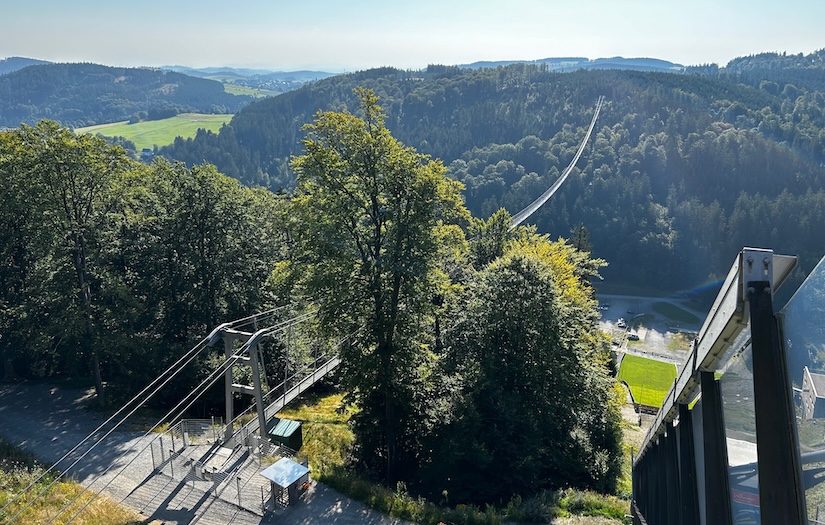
{"x":250,"y":349}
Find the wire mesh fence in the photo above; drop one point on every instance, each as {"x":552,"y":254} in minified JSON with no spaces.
{"x":190,"y":452}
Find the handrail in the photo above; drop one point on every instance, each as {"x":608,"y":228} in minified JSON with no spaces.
{"x":725,"y":321}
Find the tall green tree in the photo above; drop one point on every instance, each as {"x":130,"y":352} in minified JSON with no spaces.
{"x":193,"y":248}
{"x":371,"y":216}
{"x":580,"y":238}
{"x":535,"y":409}
{"x":113,"y":267}
{"x":489,"y":238}
{"x":24,"y":242}
{"x":77,"y":176}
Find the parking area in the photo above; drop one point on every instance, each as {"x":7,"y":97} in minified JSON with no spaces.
{"x":656,"y":327}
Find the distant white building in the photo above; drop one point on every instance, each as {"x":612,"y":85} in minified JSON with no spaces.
{"x":813,"y":394}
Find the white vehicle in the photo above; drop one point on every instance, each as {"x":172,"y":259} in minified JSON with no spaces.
{"x":621,"y":323}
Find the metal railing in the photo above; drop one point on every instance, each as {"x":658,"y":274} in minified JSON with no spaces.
{"x":723,"y":448}
{"x":295,"y":385}
{"x":189,"y":452}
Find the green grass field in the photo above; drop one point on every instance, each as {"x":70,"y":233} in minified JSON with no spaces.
{"x":327,"y":437}
{"x":244,"y":90}
{"x":159,"y":132}
{"x":680,"y":342}
{"x":649,"y":380}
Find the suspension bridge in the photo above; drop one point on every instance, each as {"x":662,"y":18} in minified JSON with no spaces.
{"x":218,"y":459}
{"x":531,"y":208}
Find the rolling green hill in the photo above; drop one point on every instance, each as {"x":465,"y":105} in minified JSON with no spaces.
{"x":159,"y":133}
{"x":78,"y":95}
{"x":10,"y":64}
{"x":682,"y":171}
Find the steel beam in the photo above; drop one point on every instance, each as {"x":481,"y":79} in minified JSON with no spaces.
{"x":780,"y":484}
{"x":717,"y":489}
{"x":228,"y":349}
{"x":688,"y":501}
{"x":671,"y":460}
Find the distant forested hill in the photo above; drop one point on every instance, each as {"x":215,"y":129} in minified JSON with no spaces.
{"x":683,"y":170}
{"x":576,"y":63}
{"x":774,"y":72}
{"x":7,"y":65}
{"x":78,"y":95}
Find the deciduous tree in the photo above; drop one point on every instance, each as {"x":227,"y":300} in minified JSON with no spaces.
{"x":535,"y":408}
{"x":370,"y":214}
{"x":76,"y":175}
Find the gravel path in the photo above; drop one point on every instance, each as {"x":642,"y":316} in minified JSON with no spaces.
{"x":49,"y":421}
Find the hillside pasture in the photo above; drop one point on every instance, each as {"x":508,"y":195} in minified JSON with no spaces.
{"x":649,"y":380}
{"x":159,"y":133}
{"x":235,"y":89}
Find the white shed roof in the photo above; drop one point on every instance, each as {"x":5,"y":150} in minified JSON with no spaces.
{"x":284,"y":472}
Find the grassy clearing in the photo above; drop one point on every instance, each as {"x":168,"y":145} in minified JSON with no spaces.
{"x":811,"y":434}
{"x":675,"y":313}
{"x":327,"y":437}
{"x":680,"y":341}
{"x":328,"y":444}
{"x":159,"y":133}
{"x":18,"y":469}
{"x":649,"y":380}
{"x":632,"y":438}
{"x":234,"y":89}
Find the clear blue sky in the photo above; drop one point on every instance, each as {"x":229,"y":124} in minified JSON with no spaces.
{"x":338,"y":35}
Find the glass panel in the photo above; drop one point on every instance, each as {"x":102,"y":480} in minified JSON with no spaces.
{"x":803,"y":329}
{"x":736,"y":385}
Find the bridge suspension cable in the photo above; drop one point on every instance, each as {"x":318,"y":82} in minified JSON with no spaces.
{"x":328,"y":360}
{"x":538,"y":203}
{"x":177,"y":411}
{"x":134,"y":403}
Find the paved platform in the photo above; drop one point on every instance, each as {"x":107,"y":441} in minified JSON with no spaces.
{"x":49,"y":421}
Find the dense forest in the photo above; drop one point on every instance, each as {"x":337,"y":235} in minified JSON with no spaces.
{"x":115,"y":267}
{"x":682,"y":170}
{"x":78,"y":95}
{"x":111,"y":269}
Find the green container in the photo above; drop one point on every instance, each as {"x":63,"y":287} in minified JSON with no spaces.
{"x":285,"y":432}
